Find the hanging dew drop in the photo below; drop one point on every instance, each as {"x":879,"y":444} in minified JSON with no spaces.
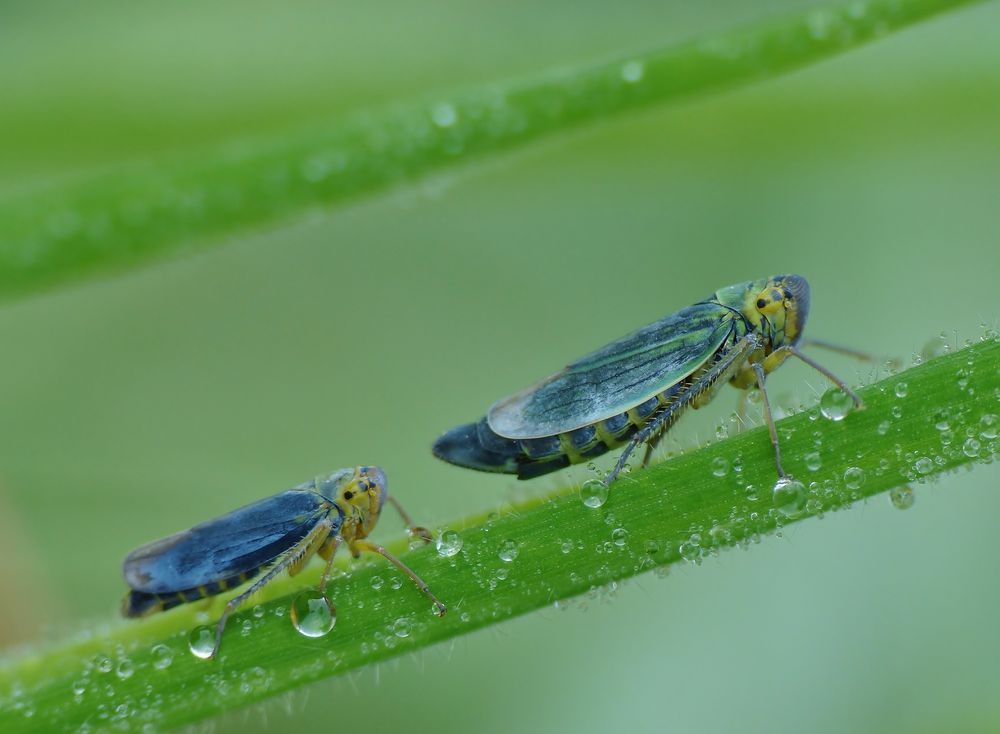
{"x":854,"y":477}
{"x":835,"y":404}
{"x":313,"y":615}
{"x":448,"y":544}
{"x":201,"y":642}
{"x":902,"y":498}
{"x":593,"y":493}
{"x":789,"y":497}
{"x":508,"y":551}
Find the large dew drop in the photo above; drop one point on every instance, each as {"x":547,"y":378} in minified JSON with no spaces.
{"x":593,"y":493}
{"x":201,"y":642}
{"x":835,"y":404}
{"x":854,"y":477}
{"x":789,"y":497}
{"x":313,"y":615}
{"x":508,"y":551}
{"x":448,"y":544}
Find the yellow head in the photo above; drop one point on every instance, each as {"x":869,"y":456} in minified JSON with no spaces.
{"x":777,"y":307}
{"x":360,"y":494}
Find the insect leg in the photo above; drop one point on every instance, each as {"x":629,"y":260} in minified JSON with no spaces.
{"x":761,"y":375}
{"x":360,"y":545}
{"x":839,"y":349}
{"x":414,"y":531}
{"x":858,"y":403}
{"x":661,"y":421}
{"x":329,"y":547}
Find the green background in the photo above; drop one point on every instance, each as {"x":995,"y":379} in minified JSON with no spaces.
{"x":139,"y":405}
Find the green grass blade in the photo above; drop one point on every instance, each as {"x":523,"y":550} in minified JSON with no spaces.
{"x":93,"y":227}
{"x":132,"y":675}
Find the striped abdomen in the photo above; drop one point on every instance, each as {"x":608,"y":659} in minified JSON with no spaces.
{"x":142,"y":603}
{"x":477,"y":446}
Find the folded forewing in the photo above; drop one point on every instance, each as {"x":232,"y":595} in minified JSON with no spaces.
{"x":616,"y":377}
{"x":239,"y":542}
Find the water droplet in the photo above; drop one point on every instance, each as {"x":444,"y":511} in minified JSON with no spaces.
{"x":402,"y":627}
{"x":449,"y":543}
{"x":594,"y":493}
{"x":720,"y":466}
{"x":377,"y":582}
{"x":162,"y":656}
{"x":632,"y":71}
{"x":690,"y":549}
{"x":989,"y":425}
{"x":835,"y":404}
{"x":789,"y":497}
{"x":897,"y":412}
{"x":854,"y":477}
{"x":813,"y":461}
{"x":125,"y":669}
{"x":444,"y":115}
{"x":313,"y":615}
{"x":924,"y":465}
{"x":883,"y":428}
{"x":201,"y":642}
{"x":103,"y":664}
{"x":79,"y":687}
{"x":902,"y":497}
{"x":971,"y":448}
{"x":619,"y":536}
{"x":508,"y":550}
{"x":901,"y":389}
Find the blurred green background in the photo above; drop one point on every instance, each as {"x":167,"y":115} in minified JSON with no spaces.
{"x":139,"y":405}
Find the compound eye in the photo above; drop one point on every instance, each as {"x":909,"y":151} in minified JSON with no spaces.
{"x":348,"y":495}
{"x":761,"y":303}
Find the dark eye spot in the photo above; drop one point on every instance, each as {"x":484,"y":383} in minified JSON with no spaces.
{"x":348,"y":494}
{"x":761,"y":303}
{"x":788,"y":295}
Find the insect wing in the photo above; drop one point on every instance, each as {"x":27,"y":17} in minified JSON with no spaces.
{"x":616,"y":377}
{"x":238,"y":542}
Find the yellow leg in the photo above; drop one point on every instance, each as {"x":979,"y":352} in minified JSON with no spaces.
{"x":414,"y":531}
{"x":364,"y":545}
{"x":328,"y":551}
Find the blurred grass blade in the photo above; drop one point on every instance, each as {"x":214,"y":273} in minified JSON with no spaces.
{"x":73,"y":230}
{"x":141,"y":676}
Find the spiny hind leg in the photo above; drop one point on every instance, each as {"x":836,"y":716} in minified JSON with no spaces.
{"x":651,"y":446}
{"x":296,"y":556}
